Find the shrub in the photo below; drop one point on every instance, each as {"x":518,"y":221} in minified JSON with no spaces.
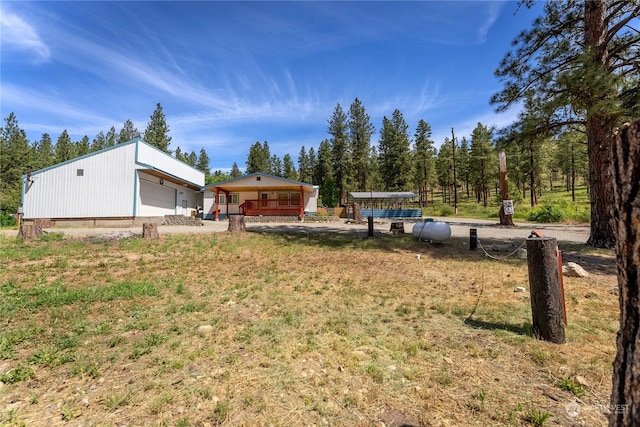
{"x":552,"y":212}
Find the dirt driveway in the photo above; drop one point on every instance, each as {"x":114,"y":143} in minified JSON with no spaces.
{"x":487,"y":230}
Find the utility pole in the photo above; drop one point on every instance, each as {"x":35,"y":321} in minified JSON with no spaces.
{"x":455,"y":181}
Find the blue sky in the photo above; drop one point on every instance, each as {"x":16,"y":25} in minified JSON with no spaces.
{"x":229,"y":74}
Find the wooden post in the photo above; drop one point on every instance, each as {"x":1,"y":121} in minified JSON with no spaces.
{"x":473,"y":239}
{"x":236,"y":223}
{"x":150,"y":231}
{"x":370,"y":226}
{"x":625,"y":168}
{"x":546,"y":296}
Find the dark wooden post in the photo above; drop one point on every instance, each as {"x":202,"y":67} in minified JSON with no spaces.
{"x":473,"y":239}
{"x":150,"y":231}
{"x":236,"y":223}
{"x":546,"y":295}
{"x":625,"y":167}
{"x":370,"y":226}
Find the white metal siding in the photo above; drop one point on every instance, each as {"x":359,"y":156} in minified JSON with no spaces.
{"x":106,"y":188}
{"x":148,"y":155}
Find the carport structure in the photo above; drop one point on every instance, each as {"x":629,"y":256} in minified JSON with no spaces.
{"x":385,"y":204}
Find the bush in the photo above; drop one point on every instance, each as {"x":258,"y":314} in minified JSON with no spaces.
{"x":6,"y":219}
{"x":552,"y":212}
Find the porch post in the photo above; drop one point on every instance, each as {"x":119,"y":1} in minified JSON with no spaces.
{"x":217,"y":203}
{"x":301,"y":214}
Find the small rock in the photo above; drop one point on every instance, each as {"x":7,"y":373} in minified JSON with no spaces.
{"x":580,"y":380}
{"x":448,"y":360}
{"x":418,"y":256}
{"x":85,"y":401}
{"x":572,"y":269}
{"x":205,"y":329}
{"x":520,"y":289}
{"x":230,"y":303}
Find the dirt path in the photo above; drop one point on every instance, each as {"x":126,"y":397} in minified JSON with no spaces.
{"x":486,"y":229}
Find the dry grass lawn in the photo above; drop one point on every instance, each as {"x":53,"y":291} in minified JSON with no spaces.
{"x":287,"y":330}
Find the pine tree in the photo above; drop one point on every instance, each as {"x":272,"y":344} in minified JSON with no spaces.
{"x":82,"y":146}
{"x":258,"y":158}
{"x":235,"y":171}
{"x":288,"y":168}
{"x":192,"y":159}
{"x":275,"y":166}
{"x":111,"y":137}
{"x":340,"y":151}
{"x":179,"y":155}
{"x":396,"y":168}
{"x":482,"y":161}
{"x":324,"y":167}
{"x":203,"y":162}
{"x":157,"y":130}
{"x":99,"y":142}
{"x":579,"y":62}
{"x":305,"y":171}
{"x":44,"y":153}
{"x":423,"y":156}
{"x":65,"y":149}
{"x":128,"y":132}
{"x":360,"y":132}
{"x":15,"y":155}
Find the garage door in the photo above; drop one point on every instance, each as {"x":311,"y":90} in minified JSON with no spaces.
{"x":156,"y":199}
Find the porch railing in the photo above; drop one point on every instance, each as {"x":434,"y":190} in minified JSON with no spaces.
{"x":269,"y":207}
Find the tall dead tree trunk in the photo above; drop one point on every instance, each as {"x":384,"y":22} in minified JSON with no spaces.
{"x":625,"y":167}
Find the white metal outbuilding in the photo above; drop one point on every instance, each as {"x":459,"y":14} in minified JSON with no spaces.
{"x":131,"y":181}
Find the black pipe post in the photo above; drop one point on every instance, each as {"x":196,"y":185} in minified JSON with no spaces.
{"x":370,"y":222}
{"x":473,"y":239}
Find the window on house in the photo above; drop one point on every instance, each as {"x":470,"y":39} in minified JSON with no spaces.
{"x":233,"y":198}
{"x":79,"y":172}
{"x":283,"y":199}
{"x":222,"y":199}
{"x":295,"y":199}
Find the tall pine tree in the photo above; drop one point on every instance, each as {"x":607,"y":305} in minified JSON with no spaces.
{"x":128,"y":132}
{"x":340,"y":151}
{"x":360,"y":132}
{"x":157,"y":130}
{"x":396,"y":168}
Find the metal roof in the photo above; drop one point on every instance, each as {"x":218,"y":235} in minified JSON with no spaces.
{"x":381,"y":195}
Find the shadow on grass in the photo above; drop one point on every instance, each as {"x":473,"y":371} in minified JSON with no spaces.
{"x":521,"y":329}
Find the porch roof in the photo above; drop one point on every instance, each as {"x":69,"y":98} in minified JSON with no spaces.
{"x":259,"y":182}
{"x":381,"y":196}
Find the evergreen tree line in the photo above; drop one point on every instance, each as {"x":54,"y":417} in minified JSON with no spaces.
{"x":348,"y":161}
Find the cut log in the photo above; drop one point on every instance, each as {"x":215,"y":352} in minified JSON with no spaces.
{"x":546,"y":293}
{"x":30,"y":231}
{"x":397,"y":227}
{"x":150,"y":231}
{"x":236,"y":223}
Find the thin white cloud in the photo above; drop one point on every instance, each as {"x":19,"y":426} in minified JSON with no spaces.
{"x":19,"y":35}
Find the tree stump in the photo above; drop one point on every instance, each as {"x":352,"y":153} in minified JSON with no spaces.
{"x":30,"y":231}
{"x":150,"y":231}
{"x":546,"y":294}
{"x":625,"y":168}
{"x":397,"y":227}
{"x":357,"y":216}
{"x":236,"y":223}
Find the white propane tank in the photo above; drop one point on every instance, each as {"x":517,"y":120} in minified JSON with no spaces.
{"x":435,"y":231}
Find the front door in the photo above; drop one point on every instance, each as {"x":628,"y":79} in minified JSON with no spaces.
{"x":264,"y":200}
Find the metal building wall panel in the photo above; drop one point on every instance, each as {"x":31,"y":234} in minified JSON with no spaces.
{"x":149,"y":155}
{"x":103,"y":188}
